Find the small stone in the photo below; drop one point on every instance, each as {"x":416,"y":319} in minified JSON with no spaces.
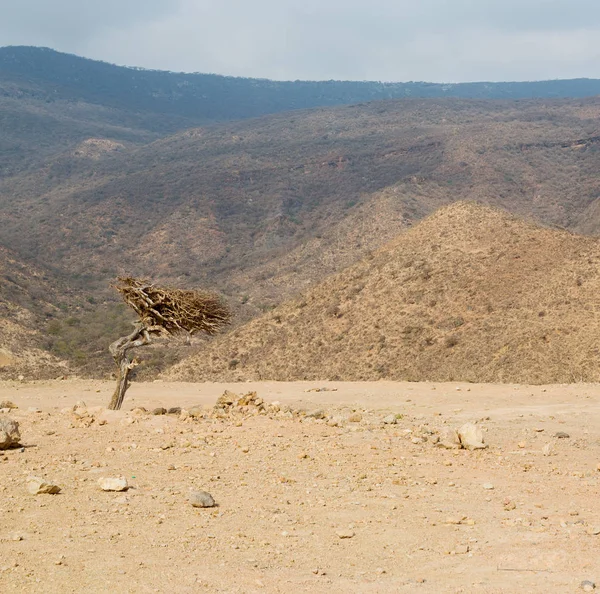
{"x":345,"y":534}
{"x":461,"y":549}
{"x":561,"y":435}
{"x":319,"y":413}
{"x":174,"y":410}
{"x":548,"y":450}
{"x":488,"y":486}
{"x":37,"y":486}
{"x":455,"y":519}
{"x":8,"y":404}
{"x":471,"y":437}
{"x":201,"y":499}
{"x":9,"y":434}
{"x":522,"y":444}
{"x":355,"y":418}
{"x":587,"y":586}
{"x":593,"y":530}
{"x":390,"y":420}
{"x":509,"y":505}
{"x":113,"y":484}
{"x":159,"y":411}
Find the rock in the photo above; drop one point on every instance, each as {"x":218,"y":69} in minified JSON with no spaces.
{"x":319,"y":413}
{"x":174,"y":410}
{"x":345,"y":533}
{"x":355,"y":418}
{"x":159,"y":411}
{"x":196,"y":412}
{"x":488,"y":486}
{"x":593,"y":530}
{"x":449,"y":439}
{"x":201,"y":499}
{"x":389,"y":420}
{"x":113,"y":484}
{"x":587,"y":586}
{"x":9,"y":434}
{"x":561,"y":435}
{"x":37,"y":486}
{"x":8,"y":404}
{"x":548,"y":450}
{"x":471,"y":437}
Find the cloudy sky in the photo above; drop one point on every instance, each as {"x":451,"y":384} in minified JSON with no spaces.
{"x":391,"y":40}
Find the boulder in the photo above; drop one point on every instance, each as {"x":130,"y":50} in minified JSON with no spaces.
{"x":9,"y":434}
{"x":471,"y":437}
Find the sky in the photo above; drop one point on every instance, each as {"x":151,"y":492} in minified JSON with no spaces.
{"x":387,"y":40}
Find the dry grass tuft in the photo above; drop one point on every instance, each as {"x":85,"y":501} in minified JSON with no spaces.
{"x":172,"y":311}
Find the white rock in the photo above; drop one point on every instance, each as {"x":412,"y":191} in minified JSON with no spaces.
{"x":37,"y":486}
{"x":201,"y":499}
{"x":113,"y":484}
{"x":9,"y":433}
{"x":449,"y":439}
{"x":390,"y":420}
{"x":471,"y":437}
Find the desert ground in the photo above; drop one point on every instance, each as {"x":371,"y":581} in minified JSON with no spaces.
{"x":336,"y":501}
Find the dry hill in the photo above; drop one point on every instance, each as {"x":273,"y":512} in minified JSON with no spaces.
{"x":471,"y":293}
{"x":27,"y":300}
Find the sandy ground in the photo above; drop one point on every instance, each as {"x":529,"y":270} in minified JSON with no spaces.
{"x":418,"y":516}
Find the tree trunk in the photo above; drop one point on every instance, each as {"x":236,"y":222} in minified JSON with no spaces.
{"x":120,"y":352}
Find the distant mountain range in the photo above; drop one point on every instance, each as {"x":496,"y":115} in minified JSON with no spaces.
{"x":211,"y":97}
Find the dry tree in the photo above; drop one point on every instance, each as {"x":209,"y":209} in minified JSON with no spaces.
{"x":162,"y":311}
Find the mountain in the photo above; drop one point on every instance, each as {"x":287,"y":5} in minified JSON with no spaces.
{"x":239,"y":204}
{"x":469,"y":294}
{"x":51,"y":100}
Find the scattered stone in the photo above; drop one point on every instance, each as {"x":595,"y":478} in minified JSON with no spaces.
{"x":345,"y":533}
{"x":8,"y":404}
{"x":587,"y":586}
{"x":488,"y":486}
{"x":355,"y":418}
{"x":319,"y":413}
{"x":113,"y":484}
{"x":471,"y":437}
{"x":201,"y":499}
{"x":159,"y":411}
{"x":561,"y":435}
{"x":455,"y":519}
{"x":37,"y":486}
{"x":390,"y":420}
{"x":449,"y":439}
{"x":174,"y":410}
{"x":9,"y":434}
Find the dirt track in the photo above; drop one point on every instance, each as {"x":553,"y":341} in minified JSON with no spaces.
{"x":420,"y":516}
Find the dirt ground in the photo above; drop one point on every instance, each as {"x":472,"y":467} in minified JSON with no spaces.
{"x":303,"y":506}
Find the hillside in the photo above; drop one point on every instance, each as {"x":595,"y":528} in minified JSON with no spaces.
{"x":263,"y":208}
{"x":237,"y":204}
{"x":27,"y":300}
{"x":469,"y":294}
{"x":51,"y":101}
